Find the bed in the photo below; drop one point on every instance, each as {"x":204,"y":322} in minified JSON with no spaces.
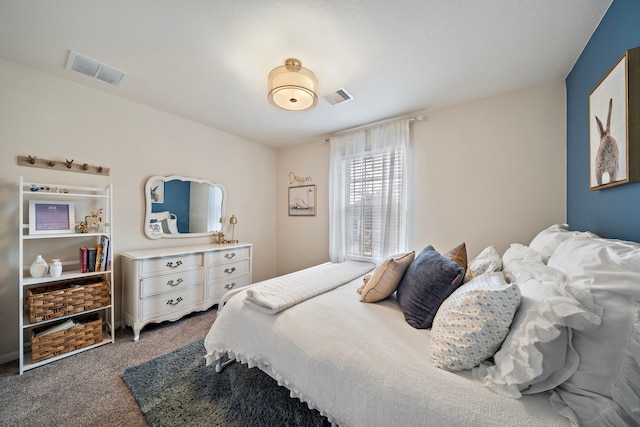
{"x":564,"y":348}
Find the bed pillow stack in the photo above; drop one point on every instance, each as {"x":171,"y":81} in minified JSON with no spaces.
{"x":577,"y":332}
{"x":428,"y":281}
{"x":605,"y":388}
{"x":537,"y":355}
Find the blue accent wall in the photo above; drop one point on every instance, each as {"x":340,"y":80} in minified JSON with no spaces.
{"x":612,"y":212}
{"x":177,"y":199}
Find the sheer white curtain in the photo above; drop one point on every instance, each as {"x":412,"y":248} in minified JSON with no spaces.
{"x":368,"y":192}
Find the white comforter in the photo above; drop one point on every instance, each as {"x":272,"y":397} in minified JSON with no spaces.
{"x":361,"y":364}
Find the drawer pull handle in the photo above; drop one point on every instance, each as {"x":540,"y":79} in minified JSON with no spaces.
{"x":229,"y":256}
{"x":170,"y":302}
{"x":230,"y":285}
{"x":176,"y":283}
{"x":229,"y":270}
{"x":177,"y":264}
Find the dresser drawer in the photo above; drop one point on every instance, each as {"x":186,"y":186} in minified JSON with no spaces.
{"x":230,"y":269}
{"x":164,"y":283}
{"x":173,"y":301}
{"x":227,"y":255}
{"x":170,"y":263}
{"x":217,"y":288}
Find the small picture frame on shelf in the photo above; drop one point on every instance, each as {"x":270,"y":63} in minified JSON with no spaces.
{"x":48,"y":217}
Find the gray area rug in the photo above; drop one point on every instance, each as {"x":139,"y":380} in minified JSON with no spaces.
{"x":176,"y":389}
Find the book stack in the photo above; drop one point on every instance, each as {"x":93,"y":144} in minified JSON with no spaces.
{"x":97,"y":258}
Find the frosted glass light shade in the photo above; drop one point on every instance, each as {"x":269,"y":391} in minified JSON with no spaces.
{"x":292,"y":87}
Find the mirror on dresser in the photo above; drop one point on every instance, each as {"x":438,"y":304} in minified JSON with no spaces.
{"x":180,"y":206}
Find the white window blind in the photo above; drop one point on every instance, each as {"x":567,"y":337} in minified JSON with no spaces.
{"x":368,"y":190}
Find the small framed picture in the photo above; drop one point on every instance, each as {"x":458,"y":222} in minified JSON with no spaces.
{"x":302,"y":200}
{"x":51,"y":217}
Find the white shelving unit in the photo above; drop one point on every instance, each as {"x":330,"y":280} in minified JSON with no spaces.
{"x":66,"y":247}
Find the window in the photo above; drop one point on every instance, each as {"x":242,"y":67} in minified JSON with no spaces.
{"x":368,"y":190}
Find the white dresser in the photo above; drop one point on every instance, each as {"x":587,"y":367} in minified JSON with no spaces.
{"x":167,"y":283}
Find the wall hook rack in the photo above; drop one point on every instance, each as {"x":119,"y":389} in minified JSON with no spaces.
{"x":67,"y":165}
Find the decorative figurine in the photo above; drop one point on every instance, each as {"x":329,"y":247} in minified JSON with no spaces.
{"x":91,"y":223}
{"x":56,"y":269}
{"x":39,"y":267}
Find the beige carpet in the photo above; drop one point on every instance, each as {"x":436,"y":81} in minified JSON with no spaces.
{"x":87,"y":389}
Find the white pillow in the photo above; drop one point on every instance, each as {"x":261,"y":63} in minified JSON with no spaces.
{"x":487,"y":261}
{"x":537,"y":354}
{"x":548,"y":239}
{"x":604,"y":389}
{"x":471,"y":324}
{"x":520,"y":253}
{"x":521,"y":263}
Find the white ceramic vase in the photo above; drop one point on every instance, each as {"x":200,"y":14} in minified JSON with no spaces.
{"x":39,"y":267}
{"x":56,"y":268}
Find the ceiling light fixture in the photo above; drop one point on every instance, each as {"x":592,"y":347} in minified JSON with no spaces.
{"x":292,"y":87}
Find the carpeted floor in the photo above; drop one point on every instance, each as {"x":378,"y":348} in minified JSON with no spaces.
{"x":175,"y":390}
{"x":88,"y":389}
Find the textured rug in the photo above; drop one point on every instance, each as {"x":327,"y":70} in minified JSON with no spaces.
{"x":176,"y":389}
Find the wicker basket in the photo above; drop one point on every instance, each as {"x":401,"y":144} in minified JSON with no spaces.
{"x":87,"y":333}
{"x":50,"y":302}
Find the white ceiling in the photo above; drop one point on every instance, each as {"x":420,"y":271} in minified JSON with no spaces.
{"x":208,"y":60}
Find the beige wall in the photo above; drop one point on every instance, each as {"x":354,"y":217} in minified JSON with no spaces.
{"x":51,"y":118}
{"x":488,"y":172}
{"x":303,"y":241}
{"x":491,"y":171}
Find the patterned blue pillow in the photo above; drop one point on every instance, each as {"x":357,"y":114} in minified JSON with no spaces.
{"x":428,"y":281}
{"x":472,"y":323}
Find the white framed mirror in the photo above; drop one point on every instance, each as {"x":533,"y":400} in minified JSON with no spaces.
{"x":180,"y":206}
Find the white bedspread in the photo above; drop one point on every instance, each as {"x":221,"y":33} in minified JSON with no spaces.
{"x":275,"y":295}
{"x":361,"y":364}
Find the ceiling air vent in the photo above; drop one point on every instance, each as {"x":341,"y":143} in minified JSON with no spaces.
{"x":338,"y":96}
{"x":94,"y":69}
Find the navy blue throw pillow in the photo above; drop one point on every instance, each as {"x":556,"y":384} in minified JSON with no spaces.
{"x":428,"y":281}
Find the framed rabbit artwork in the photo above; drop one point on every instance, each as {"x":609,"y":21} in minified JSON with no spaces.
{"x":614,"y":125}
{"x":157,"y":192}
